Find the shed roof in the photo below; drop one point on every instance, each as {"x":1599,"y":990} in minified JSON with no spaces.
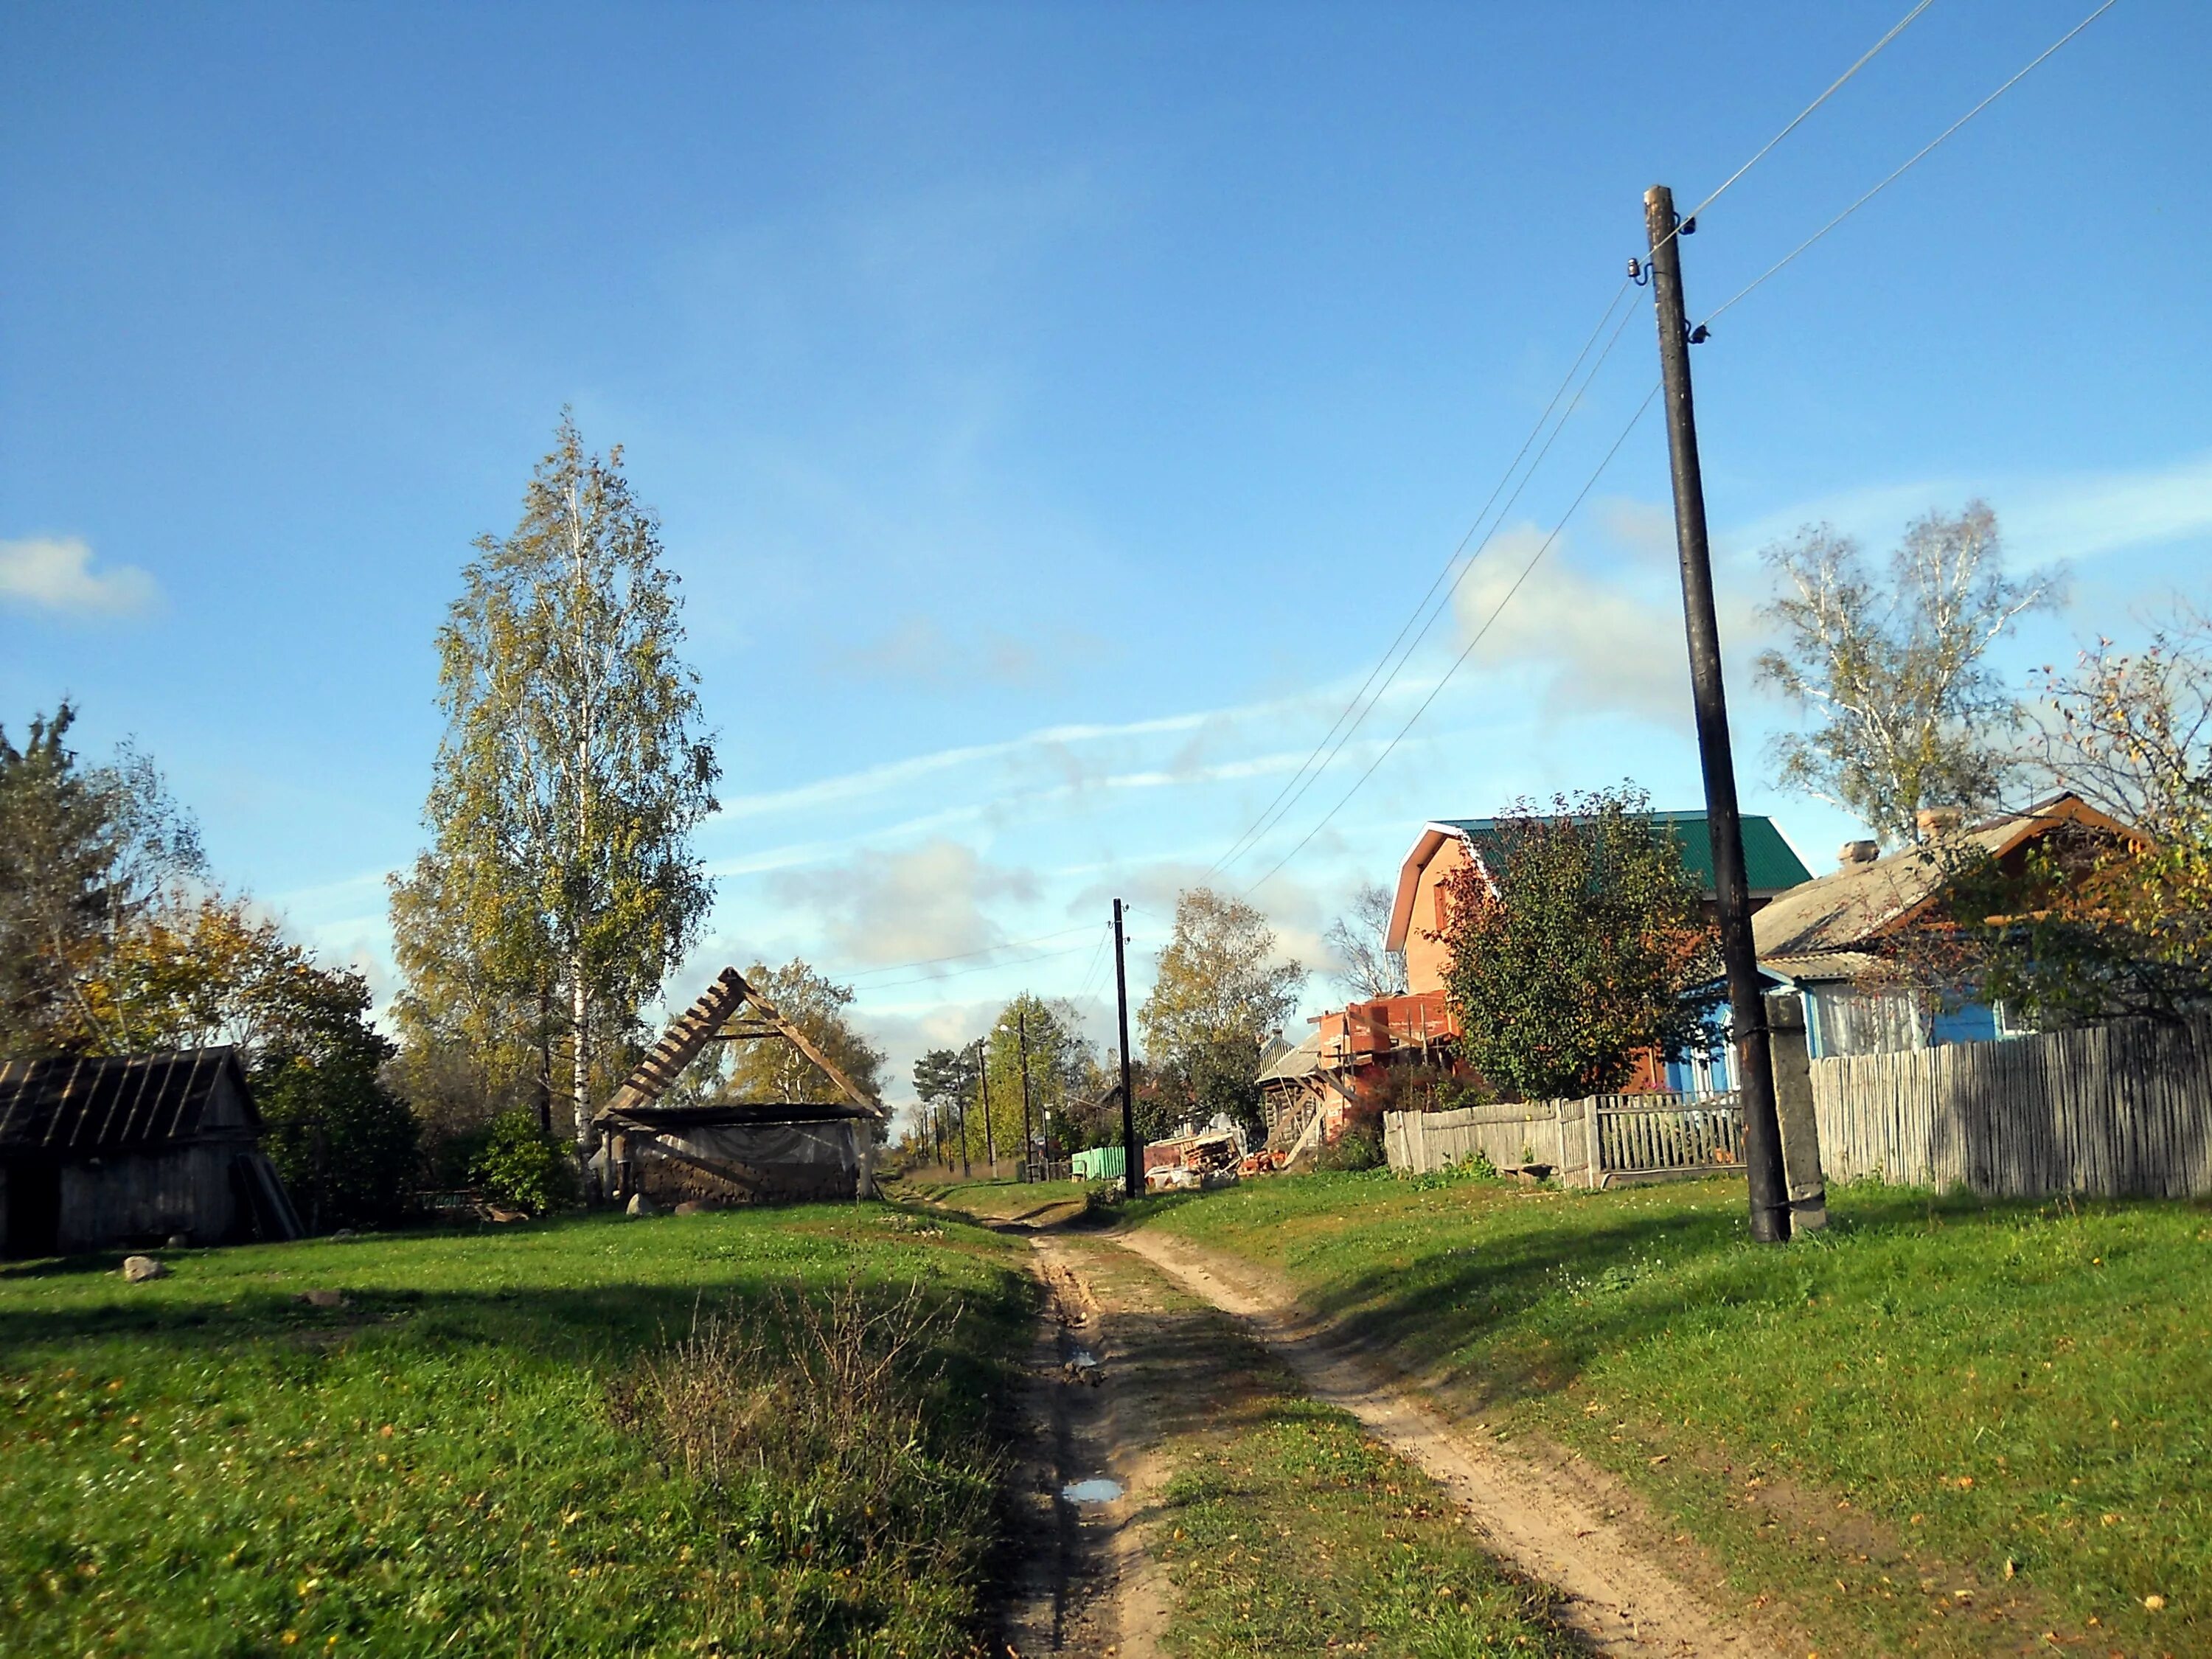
{"x":1302,"y":1059}
{"x":91,"y":1103}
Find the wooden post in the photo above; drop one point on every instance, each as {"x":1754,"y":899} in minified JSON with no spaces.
{"x":1793,"y":1103}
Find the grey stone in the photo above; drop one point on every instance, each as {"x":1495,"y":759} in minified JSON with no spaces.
{"x":640,"y":1204}
{"x":137,"y":1269}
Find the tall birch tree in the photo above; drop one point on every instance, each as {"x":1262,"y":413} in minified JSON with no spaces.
{"x":575,"y":763}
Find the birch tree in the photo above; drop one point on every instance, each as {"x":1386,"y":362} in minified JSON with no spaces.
{"x":575,"y":764}
{"x":1905,"y":710}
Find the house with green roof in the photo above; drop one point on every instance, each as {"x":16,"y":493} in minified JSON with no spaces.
{"x":1447,"y":846}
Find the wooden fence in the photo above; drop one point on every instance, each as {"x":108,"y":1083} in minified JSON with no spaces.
{"x":2109,"y":1111}
{"x":1586,"y":1142}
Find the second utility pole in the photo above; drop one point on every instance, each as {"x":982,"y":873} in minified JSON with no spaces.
{"x":1754,"y":1062}
{"x":1132,"y":1155}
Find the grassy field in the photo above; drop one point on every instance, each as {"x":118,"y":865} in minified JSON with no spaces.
{"x":1041,"y":1203}
{"x":488,"y":1449}
{"x":1942,"y":1427}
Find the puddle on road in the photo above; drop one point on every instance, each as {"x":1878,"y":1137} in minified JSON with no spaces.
{"x":1099,"y":1490}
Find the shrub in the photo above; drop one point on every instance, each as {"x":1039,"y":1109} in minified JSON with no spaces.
{"x":522,"y":1166}
{"x":1359,"y":1147}
{"x":818,"y":1441}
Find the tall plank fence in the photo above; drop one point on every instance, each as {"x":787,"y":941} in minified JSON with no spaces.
{"x":2108,"y":1111}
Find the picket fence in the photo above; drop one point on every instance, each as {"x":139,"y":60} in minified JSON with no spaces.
{"x":1585,"y":1143}
{"x":2108,"y":1111}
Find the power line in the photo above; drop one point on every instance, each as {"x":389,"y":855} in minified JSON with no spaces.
{"x":1468,"y":649}
{"x":1918,"y":155}
{"x":1400,"y":667}
{"x":1316,"y":763}
{"x":1270,"y":816}
{"x":1797,"y":120}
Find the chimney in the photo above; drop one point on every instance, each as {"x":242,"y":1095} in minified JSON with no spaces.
{"x":1853,"y":852}
{"x":1934,"y":821}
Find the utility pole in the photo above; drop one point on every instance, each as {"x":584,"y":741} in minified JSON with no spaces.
{"x":1133,"y":1174}
{"x":965,"y":1171}
{"x":983,"y":1071}
{"x":1755,"y":1064}
{"x":1022,"y":1027}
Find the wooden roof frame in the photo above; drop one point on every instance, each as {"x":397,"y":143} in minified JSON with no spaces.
{"x":712,"y":1018}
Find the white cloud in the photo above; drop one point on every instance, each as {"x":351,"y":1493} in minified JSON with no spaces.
{"x":914,"y":906}
{"x":1603,"y":637}
{"x":2079,"y":515}
{"x":55,"y":572}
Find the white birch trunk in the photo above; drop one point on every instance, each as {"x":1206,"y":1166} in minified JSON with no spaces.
{"x":580,"y":1011}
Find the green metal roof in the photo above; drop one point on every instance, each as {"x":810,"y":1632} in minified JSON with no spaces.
{"x":1769,"y":865}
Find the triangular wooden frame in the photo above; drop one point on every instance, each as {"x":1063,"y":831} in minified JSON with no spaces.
{"x":707,"y":1020}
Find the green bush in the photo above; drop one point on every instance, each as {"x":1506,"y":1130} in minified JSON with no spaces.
{"x":1359,"y":1147}
{"x":522,"y":1166}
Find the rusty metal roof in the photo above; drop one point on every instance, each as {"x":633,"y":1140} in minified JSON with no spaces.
{"x":85,"y":1103}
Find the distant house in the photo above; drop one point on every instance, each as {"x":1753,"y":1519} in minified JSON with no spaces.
{"x":98,"y":1153}
{"x":1447,"y":846}
{"x":1829,"y":938}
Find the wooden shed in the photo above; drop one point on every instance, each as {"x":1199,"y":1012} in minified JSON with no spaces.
{"x":97,"y":1154}
{"x":760,"y":1152}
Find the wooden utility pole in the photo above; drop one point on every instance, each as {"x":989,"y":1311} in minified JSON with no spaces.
{"x":1133,"y":1173}
{"x":1755,"y":1066}
{"x":983,"y":1071}
{"x":1022,"y":1029}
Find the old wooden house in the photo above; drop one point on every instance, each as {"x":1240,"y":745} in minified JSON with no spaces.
{"x":734,"y":1151}
{"x":99,"y":1153}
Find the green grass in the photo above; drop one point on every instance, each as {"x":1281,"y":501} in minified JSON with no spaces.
{"x":1981,"y":1385}
{"x":203,"y":1465}
{"x":1296,"y":1534}
{"x":1038,"y":1202}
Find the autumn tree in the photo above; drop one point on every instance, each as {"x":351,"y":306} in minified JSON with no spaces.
{"x":1577,"y":939}
{"x":1367,"y":968}
{"x":2086,"y":928}
{"x":113,"y":941}
{"x":945,"y":1082}
{"x":1221,"y":994}
{"x":1892,"y":670}
{"x":89,"y":856}
{"x":574,"y":768}
{"x":1059,"y":1060}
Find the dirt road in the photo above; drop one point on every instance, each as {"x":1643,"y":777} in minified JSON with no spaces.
{"x":1553,"y":1517}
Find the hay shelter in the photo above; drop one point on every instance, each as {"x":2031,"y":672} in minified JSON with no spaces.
{"x":734,"y":1151}
{"x":98,"y":1153}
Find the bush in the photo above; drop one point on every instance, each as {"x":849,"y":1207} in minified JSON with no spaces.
{"x":1359,"y":1147}
{"x":522,"y":1166}
{"x":345,"y":1146}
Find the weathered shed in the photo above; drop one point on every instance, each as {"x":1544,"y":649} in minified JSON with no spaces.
{"x":734,"y":1151}
{"x":98,"y":1152}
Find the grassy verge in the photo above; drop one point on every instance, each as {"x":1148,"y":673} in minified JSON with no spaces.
{"x":1935,"y":1397}
{"x":1297,"y":1534}
{"x":486,"y":1448}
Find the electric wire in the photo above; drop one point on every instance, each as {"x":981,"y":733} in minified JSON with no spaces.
{"x":1465,"y":569}
{"x":1468,"y":650}
{"x":2019,"y":75}
{"x":1299,"y":782}
{"x":1797,"y":120}
{"x":1270,"y":816}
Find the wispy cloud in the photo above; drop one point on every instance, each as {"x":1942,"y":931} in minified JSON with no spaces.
{"x":2077,"y":516}
{"x":55,"y":573}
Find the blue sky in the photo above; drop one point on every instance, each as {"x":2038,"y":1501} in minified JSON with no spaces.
{"x":1053,"y":410}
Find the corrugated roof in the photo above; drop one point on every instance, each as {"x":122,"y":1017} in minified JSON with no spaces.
{"x":1770,"y":864}
{"x":83,"y":1104}
{"x":1301,"y":1061}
